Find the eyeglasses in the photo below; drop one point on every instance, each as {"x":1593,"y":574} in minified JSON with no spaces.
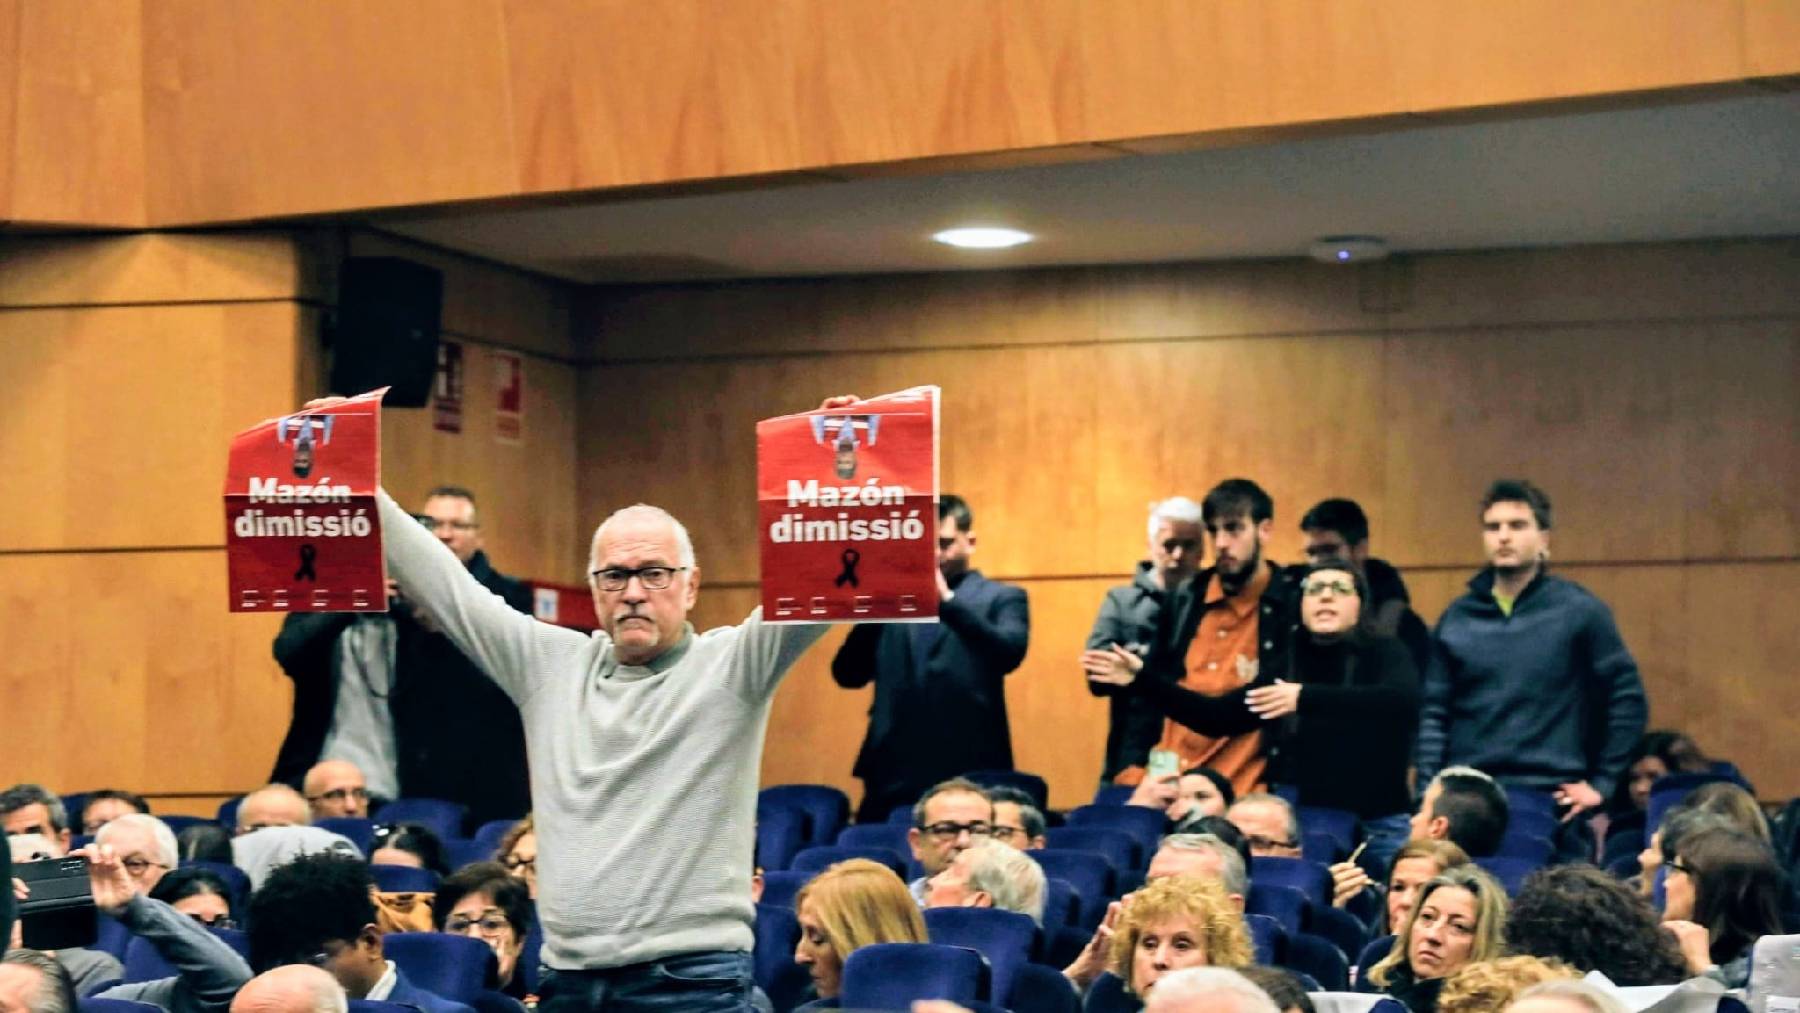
{"x":517,"y":864}
{"x":654,"y":578}
{"x":948,"y":831}
{"x":1674,"y":865}
{"x":1316,"y":588}
{"x":216,"y":921}
{"x":1001,"y":832}
{"x":433,"y":524}
{"x":1259,"y":841}
{"x":487,"y":924}
{"x":340,"y":794}
{"x":136,"y":865}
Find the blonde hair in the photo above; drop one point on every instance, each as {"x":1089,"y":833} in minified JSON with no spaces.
{"x":1489,"y":986}
{"x":511,"y":838}
{"x":1490,"y":918}
{"x":1204,"y":902}
{"x":1446,"y":854}
{"x":858,"y":903}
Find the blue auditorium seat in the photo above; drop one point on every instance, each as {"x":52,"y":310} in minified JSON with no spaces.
{"x":358,"y":831}
{"x":891,"y":836}
{"x":441,"y":817}
{"x":827,"y":809}
{"x":1285,"y":904}
{"x":1030,"y":784}
{"x":1145,"y":826}
{"x":1091,"y":875}
{"x":404,"y":879}
{"x":1118,"y":848}
{"x":1310,"y":878}
{"x":780,"y":834}
{"x":454,"y":967}
{"x":1005,"y":938}
{"x":772,"y":958}
{"x":779,"y":887}
{"x":887,"y":976}
{"x":817,"y":859}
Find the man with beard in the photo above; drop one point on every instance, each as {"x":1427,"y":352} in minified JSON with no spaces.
{"x":1529,"y":679}
{"x":1220,"y":628}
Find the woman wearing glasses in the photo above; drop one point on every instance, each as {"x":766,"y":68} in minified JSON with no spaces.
{"x":518,"y":853}
{"x":484,"y":901}
{"x":1338,"y":724}
{"x":1722,"y":892}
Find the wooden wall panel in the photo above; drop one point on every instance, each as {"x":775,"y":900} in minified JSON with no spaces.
{"x":323,"y":105}
{"x":79,"y":141}
{"x":148,"y":268}
{"x":1650,"y":389}
{"x":1772,"y":38}
{"x":9,"y":100}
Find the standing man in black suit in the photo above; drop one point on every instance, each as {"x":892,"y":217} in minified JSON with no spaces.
{"x":940,"y":688}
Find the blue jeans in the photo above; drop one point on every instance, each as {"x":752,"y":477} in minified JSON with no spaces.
{"x":712,"y":981}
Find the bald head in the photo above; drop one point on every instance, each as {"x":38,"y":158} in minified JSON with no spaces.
{"x":293,"y":988}
{"x":336,"y":788}
{"x":645,"y":581}
{"x":275,"y":806}
{"x":1207,"y":990}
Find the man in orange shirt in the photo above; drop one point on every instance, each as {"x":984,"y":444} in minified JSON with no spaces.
{"x":1233,"y":618}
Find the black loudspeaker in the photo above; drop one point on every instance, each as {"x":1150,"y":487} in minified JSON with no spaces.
{"x":387,"y":329}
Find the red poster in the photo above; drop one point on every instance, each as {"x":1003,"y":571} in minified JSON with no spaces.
{"x":509,"y":409}
{"x":848,"y":502}
{"x":302,"y":533}
{"x":447,"y":390}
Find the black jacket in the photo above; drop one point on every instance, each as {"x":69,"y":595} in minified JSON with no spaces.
{"x":946,"y":716}
{"x":1544,"y":696}
{"x":457,"y":735}
{"x":1348,"y":745}
{"x":1128,"y":617}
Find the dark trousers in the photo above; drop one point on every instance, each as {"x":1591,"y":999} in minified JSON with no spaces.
{"x":712,"y":981}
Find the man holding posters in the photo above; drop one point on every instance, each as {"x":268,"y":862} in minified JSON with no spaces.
{"x":645,"y":741}
{"x":940,"y":692}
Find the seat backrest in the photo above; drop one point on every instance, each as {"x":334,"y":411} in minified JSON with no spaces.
{"x":404,"y":879}
{"x":1113,"y":794}
{"x":1371,"y":955}
{"x":901,"y":814}
{"x":772,"y":958}
{"x":1125,"y":855}
{"x":1091,"y":875}
{"x":816,"y":859}
{"x":1146,"y":826}
{"x":1309,"y":954}
{"x":1007,"y":939}
{"x":1310,"y":878}
{"x":1774,"y":970}
{"x":1668,"y":790}
{"x":453,"y":967}
{"x":488,"y":835}
{"x":442,"y":817}
{"x":1108,"y":995}
{"x":1345,"y":930}
{"x":1511,"y":872}
{"x":1061,"y":904}
{"x":1526,"y":848}
{"x":1322,"y":848}
{"x":357,"y":831}
{"x":1341,"y":824}
{"x":177,"y":823}
{"x":826,"y":808}
{"x":1267,"y":937}
{"x":891,"y":836}
{"x":1030,"y":784}
{"x":112,"y":936}
{"x":1285,"y":904}
{"x":780,"y":834}
{"x":892,"y":975}
{"x":459,"y":852}
{"x":228,"y":812}
{"x":779,"y":887}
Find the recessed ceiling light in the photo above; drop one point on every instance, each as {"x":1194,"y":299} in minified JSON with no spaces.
{"x":983,"y":238}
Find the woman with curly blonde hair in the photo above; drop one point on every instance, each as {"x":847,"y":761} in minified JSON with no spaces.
{"x":850,"y":905}
{"x":1177,"y":922}
{"x":1489,"y":986}
{"x":1457,"y":918}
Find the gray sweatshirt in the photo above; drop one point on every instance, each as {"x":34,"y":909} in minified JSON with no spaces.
{"x":211,"y":972}
{"x":643,"y":778}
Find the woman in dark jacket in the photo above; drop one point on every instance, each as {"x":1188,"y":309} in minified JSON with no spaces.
{"x":1338,"y":724}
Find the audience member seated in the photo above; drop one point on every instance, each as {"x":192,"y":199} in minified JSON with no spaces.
{"x":518,"y":852}
{"x":1722,"y":893}
{"x":201,"y":894}
{"x":1017,"y":820}
{"x":1679,"y":822}
{"x":88,"y":967}
{"x":33,"y":982}
{"x":261,"y":852}
{"x":989,"y":874}
{"x":204,"y":842}
{"x":1458,"y":917}
{"x":410,"y":845}
{"x":1200,"y":792}
{"x":1657,"y":754}
{"x":948,"y":818}
{"x":1216,"y":990}
{"x":1417,"y":862}
{"x":1466,"y":807}
{"x":109,"y":804}
{"x":1174,"y":923}
{"x":1567,"y":997}
{"x":1283,"y":989}
{"x":1592,"y":922}
{"x":1269,"y":823}
{"x":1489,"y":986}
{"x":318,"y":909}
{"x":293,"y":988}
{"x":336,"y":789}
{"x":486,"y":902}
{"x":1206,"y":856}
{"x":275,"y":805}
{"x":145,"y":846}
{"x":844,"y":908}
{"x":32,"y":809}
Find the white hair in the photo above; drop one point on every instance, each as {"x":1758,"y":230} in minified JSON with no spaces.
{"x":1009,"y":876}
{"x":1194,"y":989}
{"x":1174,"y":510}
{"x":684,"y":545}
{"x":1463,"y":772}
{"x":1579,"y":990}
{"x":1232,"y":874}
{"x":167,"y":851}
{"x":1291,"y":818}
